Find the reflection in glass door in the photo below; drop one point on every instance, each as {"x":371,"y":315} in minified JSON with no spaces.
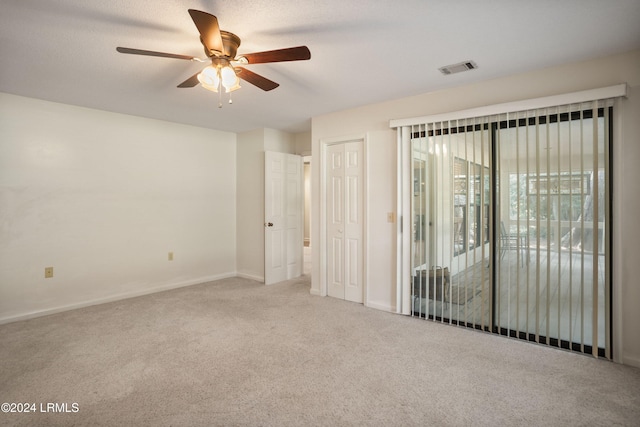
{"x":451,"y":212}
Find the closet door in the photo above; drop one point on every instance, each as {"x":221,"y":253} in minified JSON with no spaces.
{"x":345,"y":221}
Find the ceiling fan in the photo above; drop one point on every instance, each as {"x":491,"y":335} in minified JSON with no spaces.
{"x":226,"y":68}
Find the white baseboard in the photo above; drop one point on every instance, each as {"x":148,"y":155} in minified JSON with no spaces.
{"x":250,"y":277}
{"x":377,"y":306}
{"x":631,"y":361}
{"x":383,"y":307}
{"x":111,"y":298}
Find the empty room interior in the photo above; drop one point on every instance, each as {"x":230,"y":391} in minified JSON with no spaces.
{"x":421,"y":212}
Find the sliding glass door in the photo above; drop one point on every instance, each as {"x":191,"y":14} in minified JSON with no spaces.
{"x":509,"y":224}
{"x":553,"y":208}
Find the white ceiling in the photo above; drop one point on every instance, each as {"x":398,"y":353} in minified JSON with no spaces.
{"x":362,"y":51}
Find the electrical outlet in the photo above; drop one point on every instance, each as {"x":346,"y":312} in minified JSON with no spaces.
{"x":48,"y":272}
{"x":170,"y":256}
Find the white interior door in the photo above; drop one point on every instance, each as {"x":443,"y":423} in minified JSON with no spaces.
{"x":345,"y":258}
{"x":284,"y":216}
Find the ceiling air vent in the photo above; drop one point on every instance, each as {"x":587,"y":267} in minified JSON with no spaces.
{"x":458,"y":68}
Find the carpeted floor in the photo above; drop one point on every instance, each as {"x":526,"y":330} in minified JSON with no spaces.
{"x":237,"y":353}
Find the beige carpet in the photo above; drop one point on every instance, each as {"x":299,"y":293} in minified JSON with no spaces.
{"x":237,"y":353}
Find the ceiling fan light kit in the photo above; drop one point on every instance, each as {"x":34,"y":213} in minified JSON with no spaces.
{"x":212,"y":77}
{"x":226,"y":68}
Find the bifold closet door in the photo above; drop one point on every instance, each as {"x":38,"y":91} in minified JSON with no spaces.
{"x":344,"y":186}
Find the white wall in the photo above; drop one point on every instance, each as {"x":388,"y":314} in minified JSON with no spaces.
{"x":279,"y":141}
{"x":250,"y":204}
{"x":103,"y":198}
{"x":380,"y":234}
{"x":303,"y":143}
{"x":374,"y":119}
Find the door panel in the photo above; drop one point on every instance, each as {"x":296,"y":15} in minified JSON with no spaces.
{"x":337,"y":201}
{"x":276,"y":250}
{"x":274,"y":220}
{"x":337,"y":275}
{"x":354,"y":202}
{"x":353,"y":278}
{"x":335,"y":226}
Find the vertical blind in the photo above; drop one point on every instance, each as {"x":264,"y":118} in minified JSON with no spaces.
{"x":509,"y":222}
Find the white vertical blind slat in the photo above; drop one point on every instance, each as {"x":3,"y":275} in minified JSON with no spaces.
{"x":596,"y":230}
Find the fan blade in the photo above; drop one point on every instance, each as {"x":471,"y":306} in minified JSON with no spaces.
{"x":256,"y":79}
{"x":209,"y":30}
{"x":300,"y":53}
{"x":191,"y":81}
{"x":153,"y":53}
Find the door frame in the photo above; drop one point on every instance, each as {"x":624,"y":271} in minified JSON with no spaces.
{"x":322,"y":241}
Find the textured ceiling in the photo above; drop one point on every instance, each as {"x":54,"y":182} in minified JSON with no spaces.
{"x":363,"y":51}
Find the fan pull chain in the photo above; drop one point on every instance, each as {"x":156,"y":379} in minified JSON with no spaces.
{"x":220,"y":97}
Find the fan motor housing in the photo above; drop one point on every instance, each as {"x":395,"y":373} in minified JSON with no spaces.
{"x":231,"y":42}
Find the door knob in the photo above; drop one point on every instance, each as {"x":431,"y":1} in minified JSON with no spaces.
{"x":268,"y":224}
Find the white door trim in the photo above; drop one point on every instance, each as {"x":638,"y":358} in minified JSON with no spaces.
{"x":404,"y":225}
{"x":322,"y":244}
